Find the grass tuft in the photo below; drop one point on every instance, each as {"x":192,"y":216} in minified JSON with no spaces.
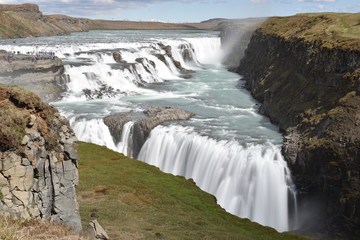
{"x":11,"y":229}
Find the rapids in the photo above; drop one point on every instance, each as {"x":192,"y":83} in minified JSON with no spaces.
{"x":229,"y":149}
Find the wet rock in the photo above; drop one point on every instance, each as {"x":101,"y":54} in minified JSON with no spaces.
{"x":118,"y":58}
{"x":115,"y":123}
{"x":144,"y":123}
{"x":186,"y":73}
{"x":186,"y":52}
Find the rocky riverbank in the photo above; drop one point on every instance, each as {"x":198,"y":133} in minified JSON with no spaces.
{"x":305,"y":70}
{"x":38,"y":160}
{"x":42,"y":75}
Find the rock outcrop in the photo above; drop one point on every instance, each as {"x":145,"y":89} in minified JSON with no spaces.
{"x":306,"y":73}
{"x":143,"y":123}
{"x":38,"y":160}
{"x":43,"y":75}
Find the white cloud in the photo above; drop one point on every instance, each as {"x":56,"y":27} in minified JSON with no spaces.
{"x":321,"y":7}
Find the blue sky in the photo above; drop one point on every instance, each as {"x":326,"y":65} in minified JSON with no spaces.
{"x":187,"y":10}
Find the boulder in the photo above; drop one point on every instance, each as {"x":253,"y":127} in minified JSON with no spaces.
{"x":95,"y":231}
{"x":117,"y":57}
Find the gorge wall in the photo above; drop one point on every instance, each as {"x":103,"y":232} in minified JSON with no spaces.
{"x":305,"y":70}
{"x":38,"y":160}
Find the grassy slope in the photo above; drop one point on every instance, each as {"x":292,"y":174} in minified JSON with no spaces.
{"x":331,"y":29}
{"x":13,"y":26}
{"x":137,"y":201}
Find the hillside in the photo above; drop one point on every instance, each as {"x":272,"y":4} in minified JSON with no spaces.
{"x":26,"y":20}
{"x":134,"y":200}
{"x":305,"y":70}
{"x":328,"y":30}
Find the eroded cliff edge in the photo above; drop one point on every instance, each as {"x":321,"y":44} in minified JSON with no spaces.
{"x":305,"y":70}
{"x":44,"y":76}
{"x":38,"y":160}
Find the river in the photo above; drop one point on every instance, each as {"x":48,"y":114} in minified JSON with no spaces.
{"x":228,"y":148}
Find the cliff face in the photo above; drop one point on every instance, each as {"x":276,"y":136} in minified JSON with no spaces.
{"x":306,"y":72}
{"x":43,"y":77}
{"x":38,"y":160}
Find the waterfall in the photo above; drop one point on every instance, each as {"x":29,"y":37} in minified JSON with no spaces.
{"x":125,"y":146}
{"x":207,"y":50}
{"x":94,"y":73}
{"x":94,"y":131}
{"x":251,"y":182}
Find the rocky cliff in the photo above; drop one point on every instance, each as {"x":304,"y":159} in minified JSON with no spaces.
{"x":38,"y":160}
{"x":305,"y":70}
{"x":43,"y":76}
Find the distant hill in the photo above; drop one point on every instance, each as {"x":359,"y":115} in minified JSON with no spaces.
{"x":26,"y":20}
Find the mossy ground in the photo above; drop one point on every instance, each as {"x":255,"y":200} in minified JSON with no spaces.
{"x":137,"y":201}
{"x":331,"y":30}
{"x":16,"y":106}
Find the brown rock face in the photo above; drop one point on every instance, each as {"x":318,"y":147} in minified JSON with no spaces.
{"x":38,"y":160}
{"x":313,"y":93}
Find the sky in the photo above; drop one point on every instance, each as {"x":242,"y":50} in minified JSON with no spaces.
{"x":186,"y":10}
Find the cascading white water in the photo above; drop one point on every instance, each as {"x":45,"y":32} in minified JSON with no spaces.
{"x":252,"y":182}
{"x":124,"y":146}
{"x":94,"y":131}
{"x":210,"y":54}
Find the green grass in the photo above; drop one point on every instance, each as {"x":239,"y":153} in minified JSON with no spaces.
{"x":331,"y":30}
{"x":137,"y":201}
